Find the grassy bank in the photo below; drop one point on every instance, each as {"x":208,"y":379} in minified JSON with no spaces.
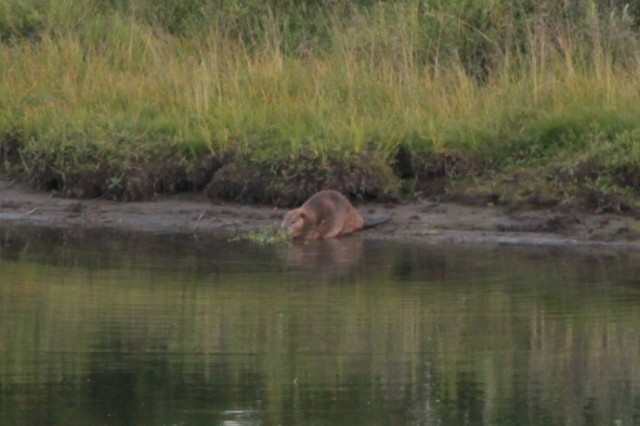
{"x":528,"y":105}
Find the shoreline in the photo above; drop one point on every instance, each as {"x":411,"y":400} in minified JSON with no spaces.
{"x":414,"y":221}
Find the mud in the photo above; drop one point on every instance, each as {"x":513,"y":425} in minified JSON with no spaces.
{"x":420,"y":220}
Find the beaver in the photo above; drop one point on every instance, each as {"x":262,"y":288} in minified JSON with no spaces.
{"x":327,"y":214}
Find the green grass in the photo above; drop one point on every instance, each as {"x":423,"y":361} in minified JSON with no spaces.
{"x":267,"y":236}
{"x":270,"y":101}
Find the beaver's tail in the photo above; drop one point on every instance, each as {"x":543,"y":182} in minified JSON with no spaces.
{"x":375,"y":221}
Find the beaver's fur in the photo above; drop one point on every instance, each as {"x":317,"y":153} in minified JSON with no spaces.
{"x":327,"y":214}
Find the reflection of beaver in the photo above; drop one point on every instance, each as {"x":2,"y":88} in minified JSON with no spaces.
{"x":328,"y":258}
{"x":326,"y":214}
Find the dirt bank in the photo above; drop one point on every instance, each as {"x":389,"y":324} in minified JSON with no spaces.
{"x":424,"y":220}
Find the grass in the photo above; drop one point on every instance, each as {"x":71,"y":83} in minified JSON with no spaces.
{"x":268,"y":236}
{"x":268,"y":102}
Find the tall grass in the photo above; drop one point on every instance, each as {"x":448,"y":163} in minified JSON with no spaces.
{"x":500,"y":83}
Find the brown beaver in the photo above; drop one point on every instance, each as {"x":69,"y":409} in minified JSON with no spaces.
{"x":327,"y":214}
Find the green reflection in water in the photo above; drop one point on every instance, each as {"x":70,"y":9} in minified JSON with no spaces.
{"x":103,"y":328}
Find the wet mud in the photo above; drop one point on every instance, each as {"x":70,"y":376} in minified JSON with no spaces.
{"x":418,"y":220}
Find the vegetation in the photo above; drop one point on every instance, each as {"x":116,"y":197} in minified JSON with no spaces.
{"x":530,"y":103}
{"x":266,"y":236}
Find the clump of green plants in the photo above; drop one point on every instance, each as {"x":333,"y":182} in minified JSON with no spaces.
{"x":266,"y":236}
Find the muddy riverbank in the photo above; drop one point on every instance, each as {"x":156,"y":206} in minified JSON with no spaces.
{"x":423,"y":220}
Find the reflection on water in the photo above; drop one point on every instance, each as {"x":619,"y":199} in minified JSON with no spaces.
{"x":120,"y":329}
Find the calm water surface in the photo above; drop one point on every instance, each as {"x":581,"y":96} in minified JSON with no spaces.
{"x":134,"y":329}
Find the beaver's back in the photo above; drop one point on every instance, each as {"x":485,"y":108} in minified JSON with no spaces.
{"x":331,"y":215}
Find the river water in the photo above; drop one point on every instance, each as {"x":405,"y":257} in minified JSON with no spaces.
{"x":104,"y":328}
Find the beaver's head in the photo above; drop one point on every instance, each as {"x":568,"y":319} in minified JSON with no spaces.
{"x":295,"y":222}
